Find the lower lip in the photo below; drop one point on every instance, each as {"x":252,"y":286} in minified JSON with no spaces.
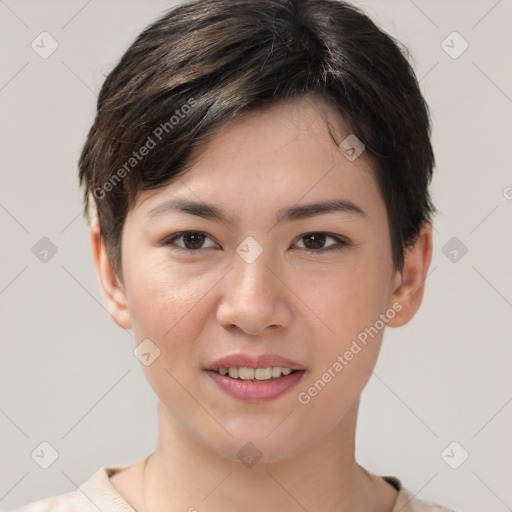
{"x":258,"y":391}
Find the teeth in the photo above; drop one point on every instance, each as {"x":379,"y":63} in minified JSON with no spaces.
{"x":263,"y":373}
{"x":245,"y":373}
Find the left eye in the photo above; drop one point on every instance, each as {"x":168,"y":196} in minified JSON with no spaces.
{"x":315,"y":242}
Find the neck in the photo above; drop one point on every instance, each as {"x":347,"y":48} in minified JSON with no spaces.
{"x":184,"y":474}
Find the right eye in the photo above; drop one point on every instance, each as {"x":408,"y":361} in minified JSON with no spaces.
{"x":192,"y":240}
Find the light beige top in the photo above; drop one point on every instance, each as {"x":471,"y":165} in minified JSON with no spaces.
{"x":98,"y":494}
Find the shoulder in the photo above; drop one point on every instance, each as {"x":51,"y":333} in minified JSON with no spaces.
{"x":417,"y":505}
{"x":407,"y":502}
{"x":96,"y":493}
{"x":68,"y":502}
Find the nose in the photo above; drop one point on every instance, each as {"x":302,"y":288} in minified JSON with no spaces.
{"x":254,"y":298}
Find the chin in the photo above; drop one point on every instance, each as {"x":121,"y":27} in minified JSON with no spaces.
{"x":258,"y":448}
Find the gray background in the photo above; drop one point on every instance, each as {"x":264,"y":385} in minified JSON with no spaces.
{"x":68,"y":375}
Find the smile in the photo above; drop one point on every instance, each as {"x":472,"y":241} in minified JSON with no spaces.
{"x":255,"y":384}
{"x":245,"y":373}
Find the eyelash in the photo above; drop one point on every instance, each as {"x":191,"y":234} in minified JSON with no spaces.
{"x":341,"y":243}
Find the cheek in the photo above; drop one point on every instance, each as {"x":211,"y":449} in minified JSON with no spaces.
{"x":347,"y":345}
{"x":166,"y":304}
{"x":353,"y":297}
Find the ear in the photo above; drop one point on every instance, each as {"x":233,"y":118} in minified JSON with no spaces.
{"x":111,"y":286}
{"x":409,"y":284}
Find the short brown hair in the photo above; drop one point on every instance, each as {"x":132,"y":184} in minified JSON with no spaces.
{"x":207,"y":62}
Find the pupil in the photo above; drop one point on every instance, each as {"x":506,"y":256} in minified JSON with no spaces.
{"x":319,"y":237}
{"x":198,"y":241}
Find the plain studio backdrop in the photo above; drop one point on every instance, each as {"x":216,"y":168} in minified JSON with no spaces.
{"x":437,"y":411}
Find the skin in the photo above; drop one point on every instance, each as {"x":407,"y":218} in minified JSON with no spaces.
{"x":199,"y":306}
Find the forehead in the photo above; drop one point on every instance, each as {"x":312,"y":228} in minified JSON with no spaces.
{"x":281,"y":153}
{"x":277,"y":129}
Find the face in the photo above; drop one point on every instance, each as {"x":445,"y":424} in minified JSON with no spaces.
{"x":306,"y":286}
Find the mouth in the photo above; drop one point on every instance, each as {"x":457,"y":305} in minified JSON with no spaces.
{"x":255,"y":384}
{"x":255,"y":378}
{"x":244,"y":373}
{"x":264,"y":363}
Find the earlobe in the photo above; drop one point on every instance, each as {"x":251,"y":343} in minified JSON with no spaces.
{"x":410,"y":282}
{"x":111,"y":286}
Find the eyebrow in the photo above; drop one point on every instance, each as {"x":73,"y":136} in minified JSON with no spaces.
{"x":296,"y":212}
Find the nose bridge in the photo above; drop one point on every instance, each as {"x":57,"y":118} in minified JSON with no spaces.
{"x":251,"y":277}
{"x":253,"y":297}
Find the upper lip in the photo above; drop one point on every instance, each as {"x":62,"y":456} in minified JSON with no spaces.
{"x":248,"y":361}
